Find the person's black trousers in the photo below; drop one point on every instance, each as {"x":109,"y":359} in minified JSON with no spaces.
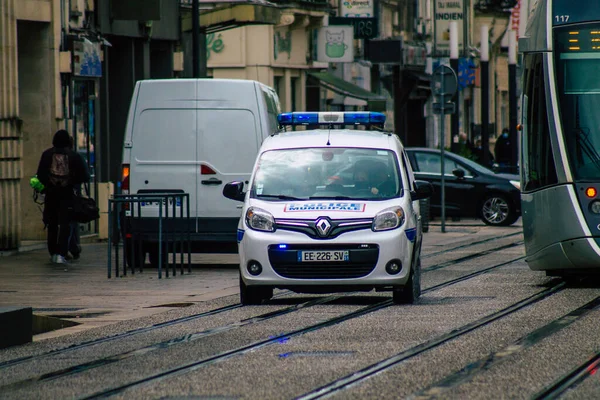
{"x":56,"y":217}
{"x":58,"y":238}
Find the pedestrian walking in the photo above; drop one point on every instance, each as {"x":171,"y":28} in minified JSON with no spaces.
{"x":59,"y":169}
{"x":502,"y":149}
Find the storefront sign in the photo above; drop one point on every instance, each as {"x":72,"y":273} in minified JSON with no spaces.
{"x":86,"y":58}
{"x":335,"y":44}
{"x":356,"y":8}
{"x":364,"y":28}
{"x":515,"y":18}
{"x":447,"y":11}
{"x":213,"y":44}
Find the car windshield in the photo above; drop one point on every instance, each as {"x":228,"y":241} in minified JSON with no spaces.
{"x":327,"y":173}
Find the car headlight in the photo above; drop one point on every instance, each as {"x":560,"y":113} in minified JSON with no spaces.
{"x":516,"y":184}
{"x":260,"y":220}
{"x":390,"y":218}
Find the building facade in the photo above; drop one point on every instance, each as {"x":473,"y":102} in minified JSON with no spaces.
{"x":73,"y":64}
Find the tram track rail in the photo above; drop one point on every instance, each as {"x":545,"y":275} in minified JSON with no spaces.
{"x":64,"y":372}
{"x":165,"y":324}
{"x":471,"y":257}
{"x":529,"y":340}
{"x":338,"y":385}
{"x":190,"y":367}
{"x":571,"y":380}
{"x":471,"y":244}
{"x":132,"y":332}
{"x":168,"y":343}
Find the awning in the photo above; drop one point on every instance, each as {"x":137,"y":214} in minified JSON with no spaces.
{"x":340,"y":86}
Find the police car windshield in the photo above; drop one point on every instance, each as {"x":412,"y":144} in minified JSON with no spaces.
{"x":327,"y":173}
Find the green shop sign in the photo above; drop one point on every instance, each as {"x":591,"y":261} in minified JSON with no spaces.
{"x":213,"y":44}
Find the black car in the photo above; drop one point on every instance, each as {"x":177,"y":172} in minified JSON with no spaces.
{"x":471,"y":189}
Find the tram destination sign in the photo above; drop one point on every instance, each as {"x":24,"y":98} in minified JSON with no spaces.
{"x":569,"y":11}
{"x":364,"y":28}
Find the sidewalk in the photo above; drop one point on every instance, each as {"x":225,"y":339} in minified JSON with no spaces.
{"x":81,"y":291}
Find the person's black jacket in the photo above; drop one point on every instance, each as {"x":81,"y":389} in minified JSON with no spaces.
{"x":77,"y":168}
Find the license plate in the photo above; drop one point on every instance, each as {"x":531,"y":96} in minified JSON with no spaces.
{"x":323,"y":256}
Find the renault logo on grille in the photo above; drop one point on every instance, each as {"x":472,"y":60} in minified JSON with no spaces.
{"x":323,"y":226}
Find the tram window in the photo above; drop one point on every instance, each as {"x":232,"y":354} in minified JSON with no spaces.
{"x":579,"y":97}
{"x":538,"y":167}
{"x":580,"y":73}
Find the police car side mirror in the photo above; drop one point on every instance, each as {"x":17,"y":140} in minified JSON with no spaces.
{"x":234,"y":191}
{"x":422,"y":190}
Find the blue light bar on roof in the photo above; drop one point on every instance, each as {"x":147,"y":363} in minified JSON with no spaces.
{"x":331,"y":118}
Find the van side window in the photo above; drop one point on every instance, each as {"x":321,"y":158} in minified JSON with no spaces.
{"x":409,"y":172}
{"x":273,"y":109}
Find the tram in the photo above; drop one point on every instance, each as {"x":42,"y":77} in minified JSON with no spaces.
{"x":560,"y":137}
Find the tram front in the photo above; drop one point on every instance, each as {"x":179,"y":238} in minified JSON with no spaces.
{"x":561,"y":138}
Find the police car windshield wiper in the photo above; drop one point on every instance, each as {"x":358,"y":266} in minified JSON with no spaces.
{"x":277,"y":196}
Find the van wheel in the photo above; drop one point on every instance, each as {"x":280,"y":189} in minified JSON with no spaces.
{"x":410,"y":293}
{"x":254,"y":295}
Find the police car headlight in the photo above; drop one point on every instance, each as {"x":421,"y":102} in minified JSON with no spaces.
{"x":390,"y":218}
{"x":516,"y":184}
{"x":260,"y":220}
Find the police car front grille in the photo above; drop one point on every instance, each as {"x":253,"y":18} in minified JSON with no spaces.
{"x":309,"y":228}
{"x":363,"y":259}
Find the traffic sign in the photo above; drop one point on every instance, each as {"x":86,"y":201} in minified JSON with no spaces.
{"x":444,"y":83}
{"x":445,"y":108}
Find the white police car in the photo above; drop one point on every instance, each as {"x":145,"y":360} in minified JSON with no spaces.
{"x":330,"y":210}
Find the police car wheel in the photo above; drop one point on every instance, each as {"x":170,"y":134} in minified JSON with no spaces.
{"x":254,"y":295}
{"x":410,"y":293}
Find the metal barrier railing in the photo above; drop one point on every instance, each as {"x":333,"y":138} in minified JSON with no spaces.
{"x":133,"y":221}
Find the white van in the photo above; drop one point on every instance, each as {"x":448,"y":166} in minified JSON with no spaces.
{"x":193,"y":136}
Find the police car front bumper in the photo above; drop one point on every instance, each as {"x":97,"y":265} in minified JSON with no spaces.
{"x":368,"y":254}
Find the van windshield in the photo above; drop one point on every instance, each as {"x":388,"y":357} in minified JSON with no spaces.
{"x":327,"y":173}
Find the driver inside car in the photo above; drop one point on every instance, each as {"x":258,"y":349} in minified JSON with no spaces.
{"x":372,"y":176}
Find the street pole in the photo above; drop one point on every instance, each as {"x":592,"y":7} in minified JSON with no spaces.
{"x":199,"y":69}
{"x":485,"y":94}
{"x":442,"y":152}
{"x":512,"y":97}
{"x":455,"y":118}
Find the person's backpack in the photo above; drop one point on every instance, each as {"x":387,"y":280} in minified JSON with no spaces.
{"x":59,"y":170}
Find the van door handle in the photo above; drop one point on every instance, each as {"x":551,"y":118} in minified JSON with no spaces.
{"x":212,"y":181}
